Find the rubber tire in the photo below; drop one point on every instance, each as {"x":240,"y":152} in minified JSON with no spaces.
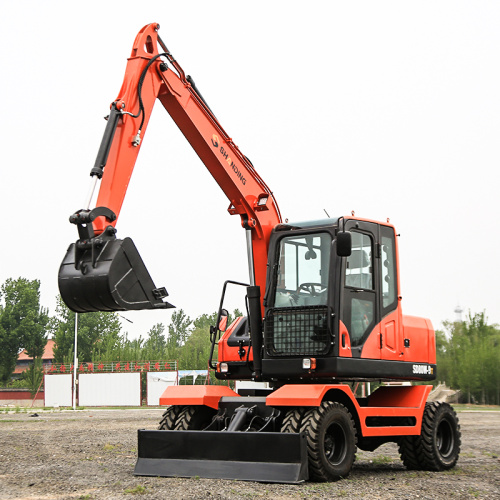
{"x":438,"y":446}
{"x":409,"y":452}
{"x":169,"y":418}
{"x":293,"y":421}
{"x":194,"y":418}
{"x":330,"y":430}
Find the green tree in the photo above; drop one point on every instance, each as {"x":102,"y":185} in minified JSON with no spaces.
{"x":130,"y":350}
{"x":97,"y":334}
{"x":179,"y":330}
{"x":195,"y":353}
{"x":34,"y":376}
{"x":442,"y":358}
{"x":23,"y":323}
{"x":9,"y":349}
{"x":155,"y":345}
{"x":468,"y":358}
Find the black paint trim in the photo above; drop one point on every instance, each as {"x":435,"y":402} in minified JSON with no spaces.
{"x":345,"y":369}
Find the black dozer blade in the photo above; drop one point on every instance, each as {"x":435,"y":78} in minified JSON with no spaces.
{"x":112,"y":277}
{"x":267,"y":457}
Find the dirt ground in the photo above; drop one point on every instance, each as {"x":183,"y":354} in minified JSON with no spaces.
{"x":90,"y":454}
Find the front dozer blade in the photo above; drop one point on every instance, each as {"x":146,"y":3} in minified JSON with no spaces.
{"x":268,"y":457}
{"x":112,"y":277}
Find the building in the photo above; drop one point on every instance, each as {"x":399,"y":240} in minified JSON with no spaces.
{"x":24,"y":361}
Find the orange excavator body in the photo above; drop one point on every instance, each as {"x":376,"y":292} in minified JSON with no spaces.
{"x":324,"y":315}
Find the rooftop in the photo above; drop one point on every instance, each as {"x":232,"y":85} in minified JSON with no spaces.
{"x":47,"y":354}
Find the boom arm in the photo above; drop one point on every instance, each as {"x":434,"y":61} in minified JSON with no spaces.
{"x":152,"y":75}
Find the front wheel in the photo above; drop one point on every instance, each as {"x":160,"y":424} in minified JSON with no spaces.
{"x":331,"y":441}
{"x":169,"y":418}
{"x":194,"y":418}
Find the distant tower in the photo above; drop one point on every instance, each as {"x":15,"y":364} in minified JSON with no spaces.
{"x":458,"y":312}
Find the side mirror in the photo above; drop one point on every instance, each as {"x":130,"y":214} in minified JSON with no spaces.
{"x":223,"y":320}
{"x":344,"y":244}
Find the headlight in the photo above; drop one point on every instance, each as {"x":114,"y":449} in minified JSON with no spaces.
{"x":309,"y":363}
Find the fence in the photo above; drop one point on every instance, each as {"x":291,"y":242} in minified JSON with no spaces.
{"x":112,"y":367}
{"x":117,"y":383}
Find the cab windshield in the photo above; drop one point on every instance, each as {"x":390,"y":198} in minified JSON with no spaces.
{"x":303,"y":270}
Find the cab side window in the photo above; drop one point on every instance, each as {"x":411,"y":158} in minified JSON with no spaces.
{"x":388,"y":270}
{"x":359,"y":266}
{"x":359,"y":307}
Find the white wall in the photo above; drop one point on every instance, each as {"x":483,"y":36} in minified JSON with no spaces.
{"x":157,"y":383}
{"x":57,"y":390}
{"x":109,"y":389}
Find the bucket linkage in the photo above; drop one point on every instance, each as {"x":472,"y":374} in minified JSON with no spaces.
{"x":103,"y":273}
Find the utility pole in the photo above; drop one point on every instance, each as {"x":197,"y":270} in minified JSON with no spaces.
{"x":75,"y":362}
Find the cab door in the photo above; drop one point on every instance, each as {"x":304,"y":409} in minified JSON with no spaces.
{"x":391,"y":341}
{"x":361,"y":293}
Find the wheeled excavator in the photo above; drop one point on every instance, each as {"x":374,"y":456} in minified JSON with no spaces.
{"x":323,"y":314}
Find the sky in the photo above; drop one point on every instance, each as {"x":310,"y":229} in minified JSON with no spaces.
{"x":390,"y":109}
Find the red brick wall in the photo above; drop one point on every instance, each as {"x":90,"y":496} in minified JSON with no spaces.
{"x":18,"y":394}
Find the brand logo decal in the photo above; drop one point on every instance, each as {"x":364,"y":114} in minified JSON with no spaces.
{"x":225,"y":155}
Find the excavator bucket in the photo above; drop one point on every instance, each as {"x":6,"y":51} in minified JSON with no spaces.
{"x":111,"y":277}
{"x":267,"y":457}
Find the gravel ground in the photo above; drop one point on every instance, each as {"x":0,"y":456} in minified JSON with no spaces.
{"x":90,"y":454}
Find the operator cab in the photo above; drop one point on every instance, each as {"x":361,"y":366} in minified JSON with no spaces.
{"x":332,"y":302}
{"x":328,"y":306}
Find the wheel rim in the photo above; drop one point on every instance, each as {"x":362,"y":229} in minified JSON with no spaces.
{"x":445,"y":439}
{"x":335,"y":444}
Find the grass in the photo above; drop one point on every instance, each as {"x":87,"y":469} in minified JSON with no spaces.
{"x":489,"y":454}
{"x":313,"y":488}
{"x":25,"y":409}
{"x":138,"y":490}
{"x":460,"y":408}
{"x":475,"y":493}
{"x":381,"y":459}
{"x":11,"y":420}
{"x":456,"y":471}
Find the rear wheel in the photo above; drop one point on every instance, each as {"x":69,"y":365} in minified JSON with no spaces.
{"x":409,"y":452}
{"x":438,"y":446}
{"x":331,"y":441}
